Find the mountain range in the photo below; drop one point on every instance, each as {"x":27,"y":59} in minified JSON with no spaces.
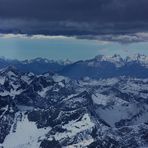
{"x":98,"y":67}
{"x":53,"y":111}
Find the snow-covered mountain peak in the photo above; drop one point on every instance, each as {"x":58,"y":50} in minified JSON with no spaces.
{"x":65,"y":62}
{"x":115,"y":59}
{"x":39,"y":60}
{"x":47,"y":61}
{"x":138,"y":57}
{"x":99,"y":57}
{"x":9,"y":71}
{"x":120,"y":61}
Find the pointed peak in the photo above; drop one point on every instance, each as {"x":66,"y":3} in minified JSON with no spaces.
{"x":115,"y":57}
{"x":9,"y":68}
{"x":9,"y":71}
{"x":65,"y":62}
{"x":99,"y":57}
{"x":137,"y":57}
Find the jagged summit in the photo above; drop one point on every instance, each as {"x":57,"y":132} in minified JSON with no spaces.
{"x":115,"y":59}
{"x":143,"y":59}
{"x":118,"y":58}
{"x":11,"y":70}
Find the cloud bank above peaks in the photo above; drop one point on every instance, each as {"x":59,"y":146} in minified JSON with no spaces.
{"x":113,"y":20}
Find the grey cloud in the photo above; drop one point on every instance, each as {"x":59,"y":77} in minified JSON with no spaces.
{"x":74,"y":17}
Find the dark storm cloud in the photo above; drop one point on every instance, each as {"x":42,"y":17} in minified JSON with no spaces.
{"x":74,"y":17}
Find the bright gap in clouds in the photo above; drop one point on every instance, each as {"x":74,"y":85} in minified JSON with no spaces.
{"x":61,"y":47}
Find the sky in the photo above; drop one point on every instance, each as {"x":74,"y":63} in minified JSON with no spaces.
{"x":61,"y":48}
{"x":74,"y":17}
{"x":75,"y":29}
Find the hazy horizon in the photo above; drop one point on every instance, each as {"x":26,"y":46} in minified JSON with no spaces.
{"x":62,"y":48}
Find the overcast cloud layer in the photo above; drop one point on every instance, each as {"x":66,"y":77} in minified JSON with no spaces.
{"x":108,"y":19}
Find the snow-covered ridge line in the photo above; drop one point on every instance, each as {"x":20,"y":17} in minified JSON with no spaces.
{"x":112,"y":58}
{"x":119,"y":60}
{"x":38,"y":60}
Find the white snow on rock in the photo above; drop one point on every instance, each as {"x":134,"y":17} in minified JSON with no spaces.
{"x":2,"y":80}
{"x":43,"y":92}
{"x":115,"y":59}
{"x":26,"y":134}
{"x":11,"y":74}
{"x":61,"y":84}
{"x":82,"y":144}
{"x":100,"y":99}
{"x":114,"y":114}
{"x":26,"y":79}
{"x":58,"y":78}
{"x":75,"y":127}
{"x":12,"y":93}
